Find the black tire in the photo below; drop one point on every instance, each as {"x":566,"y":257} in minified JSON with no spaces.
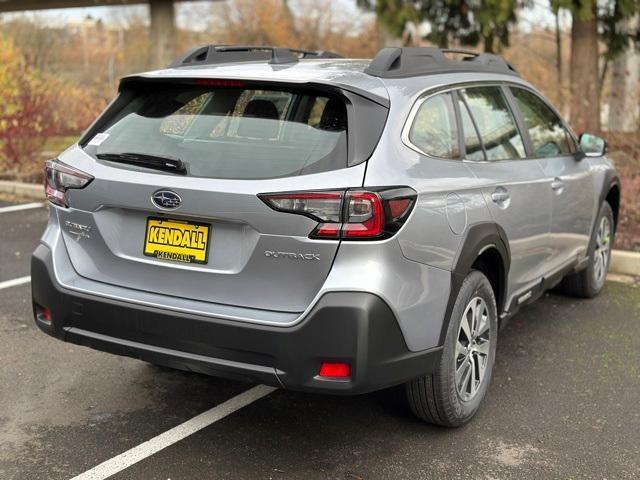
{"x":436,"y":398}
{"x":584,"y":284}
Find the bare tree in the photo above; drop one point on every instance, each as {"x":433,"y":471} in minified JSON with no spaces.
{"x":585,"y":80}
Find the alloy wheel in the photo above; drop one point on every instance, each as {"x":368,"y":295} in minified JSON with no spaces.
{"x":601,"y":252}
{"x":472,"y":349}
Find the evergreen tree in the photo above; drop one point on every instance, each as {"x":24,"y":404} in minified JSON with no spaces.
{"x":466,"y":22}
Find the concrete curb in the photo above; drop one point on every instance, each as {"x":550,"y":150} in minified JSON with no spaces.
{"x":622,"y":262}
{"x":30,"y":191}
{"x":625,"y":263}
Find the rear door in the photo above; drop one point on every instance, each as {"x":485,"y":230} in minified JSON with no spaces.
{"x":513,"y":185}
{"x":569,"y":183}
{"x":206,"y":235}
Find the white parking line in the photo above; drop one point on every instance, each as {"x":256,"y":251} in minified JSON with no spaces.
{"x":14,"y":283}
{"x":24,"y":206}
{"x":164,"y":440}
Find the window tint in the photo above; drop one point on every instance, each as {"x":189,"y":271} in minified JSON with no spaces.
{"x":548,"y":136}
{"x":497,"y":127}
{"x":434,"y":128}
{"x":232,"y":132}
{"x":472,"y":143}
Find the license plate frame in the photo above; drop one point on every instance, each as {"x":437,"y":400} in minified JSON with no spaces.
{"x":175,"y":253}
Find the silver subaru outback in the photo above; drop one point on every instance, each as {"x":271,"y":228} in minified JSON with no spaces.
{"x":323,"y":224}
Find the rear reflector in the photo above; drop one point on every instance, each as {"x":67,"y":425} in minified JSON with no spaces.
{"x":350,"y":214}
{"x":335,"y":370}
{"x":43,"y":314}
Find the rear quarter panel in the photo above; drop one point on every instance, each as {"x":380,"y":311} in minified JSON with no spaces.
{"x":449,"y":197}
{"x":449,"y":203}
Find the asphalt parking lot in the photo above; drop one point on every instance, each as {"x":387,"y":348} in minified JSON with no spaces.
{"x":564,"y":404}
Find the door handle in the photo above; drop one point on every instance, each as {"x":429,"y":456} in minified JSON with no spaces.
{"x":557,"y":184}
{"x":500,"y":195}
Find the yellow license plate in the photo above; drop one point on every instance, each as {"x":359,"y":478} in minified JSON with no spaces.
{"x":177,"y":240}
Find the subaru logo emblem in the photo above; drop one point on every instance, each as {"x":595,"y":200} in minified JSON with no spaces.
{"x":166,"y":199}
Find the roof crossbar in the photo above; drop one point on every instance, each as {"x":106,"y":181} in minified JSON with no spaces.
{"x":408,"y":62}
{"x":219,"y":54}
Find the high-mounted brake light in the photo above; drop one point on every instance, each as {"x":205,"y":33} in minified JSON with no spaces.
{"x":58,"y":178}
{"x":221,"y":82}
{"x":349,"y":215}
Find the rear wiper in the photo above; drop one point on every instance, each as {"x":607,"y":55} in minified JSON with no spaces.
{"x":174,"y":165}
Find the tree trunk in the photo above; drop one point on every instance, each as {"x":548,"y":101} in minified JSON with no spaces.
{"x":488,"y":43}
{"x":559,"y":61}
{"x":625,"y":86}
{"x":163,"y":32}
{"x":585,"y":98}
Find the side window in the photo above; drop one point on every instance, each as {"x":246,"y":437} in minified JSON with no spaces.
{"x":548,"y":136}
{"x":472,"y":143}
{"x":434,"y":129}
{"x":496,"y":125}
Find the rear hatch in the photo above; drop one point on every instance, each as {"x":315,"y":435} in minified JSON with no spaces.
{"x":178,"y":166}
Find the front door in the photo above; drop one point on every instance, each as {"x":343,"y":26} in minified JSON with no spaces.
{"x":568,"y":181}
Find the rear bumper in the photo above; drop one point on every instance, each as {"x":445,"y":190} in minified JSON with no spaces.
{"x":354,"y":327}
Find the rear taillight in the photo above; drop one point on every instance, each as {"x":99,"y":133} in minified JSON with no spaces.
{"x":364,"y":215}
{"x":349,"y":215}
{"x":58,"y":178}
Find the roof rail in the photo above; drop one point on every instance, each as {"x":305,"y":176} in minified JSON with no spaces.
{"x":408,"y":62}
{"x":317,"y":54}
{"x":218,"y":54}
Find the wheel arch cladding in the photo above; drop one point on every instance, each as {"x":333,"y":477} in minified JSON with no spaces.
{"x":610,"y":193}
{"x":613,"y":199}
{"x":485,"y":244}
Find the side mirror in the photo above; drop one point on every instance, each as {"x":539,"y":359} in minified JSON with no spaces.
{"x":591,"y":146}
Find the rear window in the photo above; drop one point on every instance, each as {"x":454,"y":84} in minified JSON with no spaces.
{"x":240,"y":133}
